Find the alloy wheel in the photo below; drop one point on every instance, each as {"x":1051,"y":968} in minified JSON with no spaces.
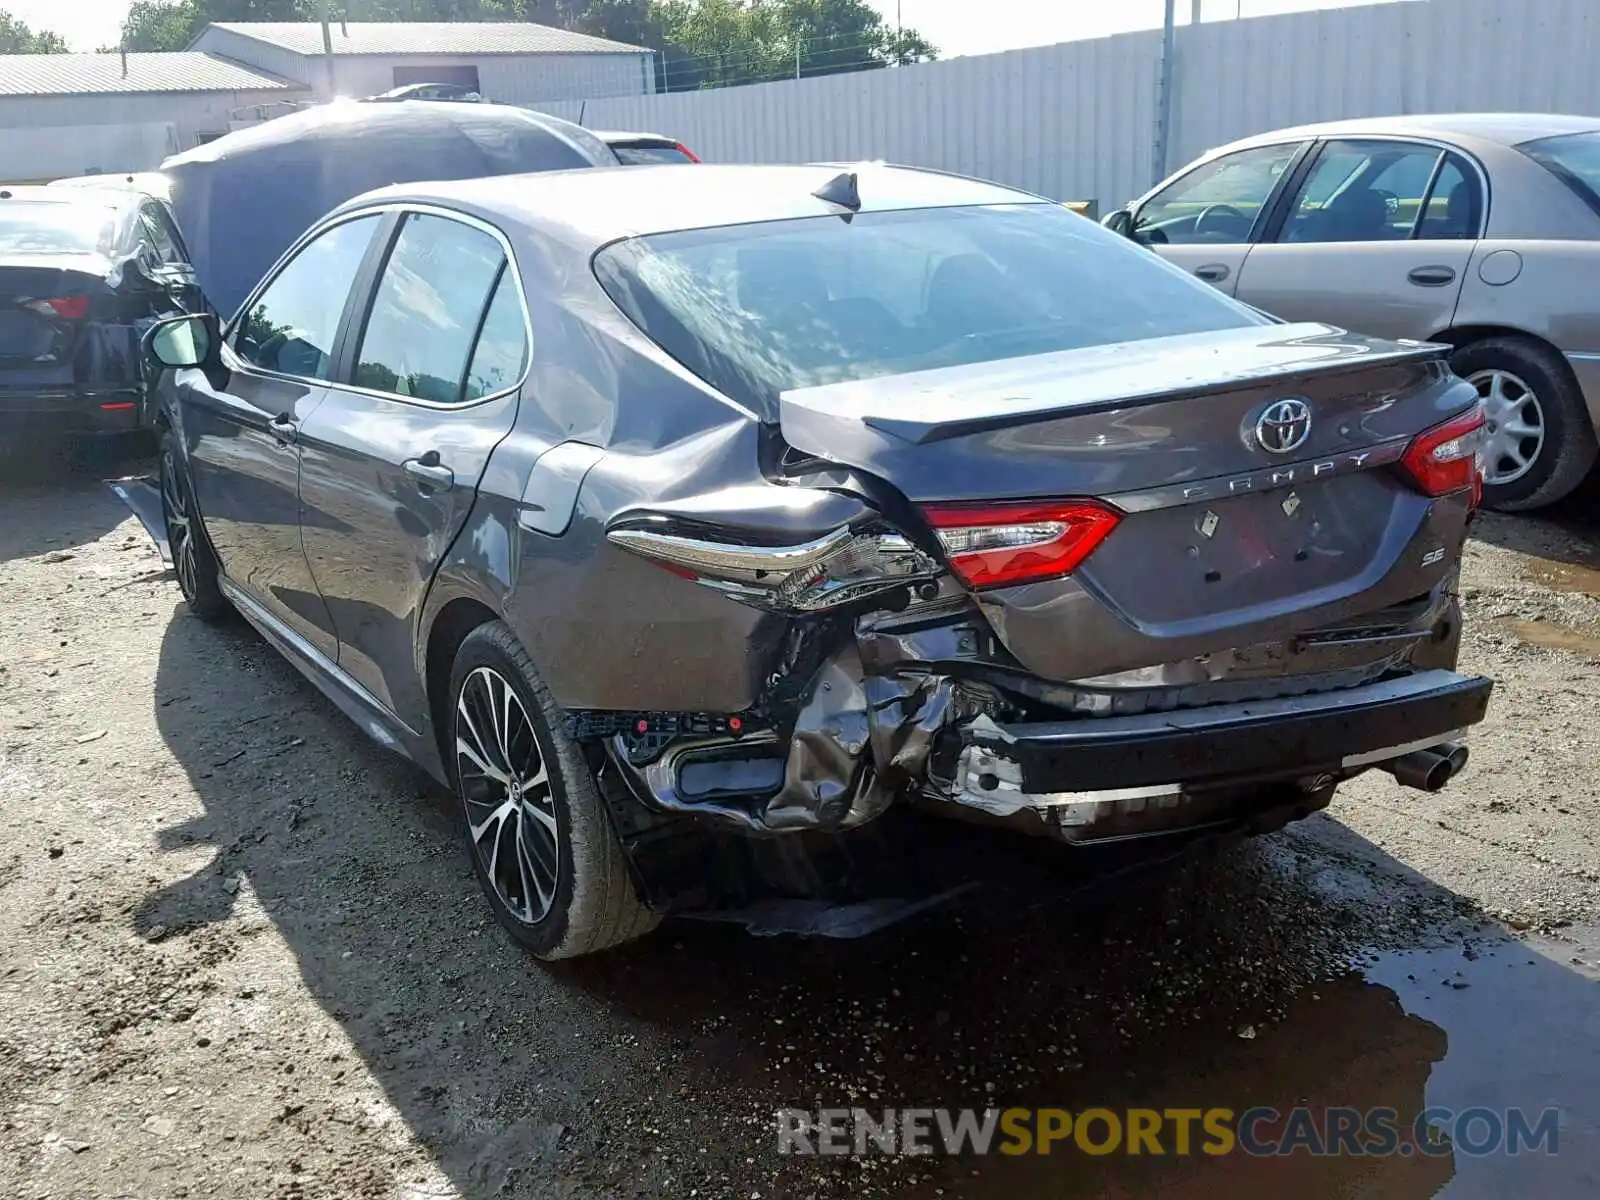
{"x":506,"y":787}
{"x":1516,"y":426}
{"x":180,"y":526}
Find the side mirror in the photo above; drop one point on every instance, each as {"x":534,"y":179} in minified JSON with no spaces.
{"x":181,"y":342}
{"x":1120,"y":221}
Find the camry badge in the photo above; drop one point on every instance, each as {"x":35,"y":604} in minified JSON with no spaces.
{"x":1284,"y":425}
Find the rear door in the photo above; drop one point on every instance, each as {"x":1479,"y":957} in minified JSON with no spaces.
{"x":241,"y":429}
{"x":1377,"y":239}
{"x":392,"y":459}
{"x":1205,"y":219}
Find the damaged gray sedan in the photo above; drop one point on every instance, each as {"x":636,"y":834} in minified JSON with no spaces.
{"x":653,"y":506}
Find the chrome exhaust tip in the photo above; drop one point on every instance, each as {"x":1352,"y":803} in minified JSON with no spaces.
{"x":1428,"y":770}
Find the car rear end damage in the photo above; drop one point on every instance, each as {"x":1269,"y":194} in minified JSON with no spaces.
{"x":1166,"y":646}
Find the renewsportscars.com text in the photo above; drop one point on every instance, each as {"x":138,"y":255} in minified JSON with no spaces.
{"x":1373,"y":1132}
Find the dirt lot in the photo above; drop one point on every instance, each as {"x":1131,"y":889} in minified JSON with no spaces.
{"x":241,"y":954}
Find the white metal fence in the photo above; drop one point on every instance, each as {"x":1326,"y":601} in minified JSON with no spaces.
{"x":1075,"y":121}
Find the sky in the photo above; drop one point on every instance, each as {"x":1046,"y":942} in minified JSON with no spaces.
{"x":955,"y":26}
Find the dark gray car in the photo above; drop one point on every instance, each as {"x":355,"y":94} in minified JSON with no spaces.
{"x":640,"y":506}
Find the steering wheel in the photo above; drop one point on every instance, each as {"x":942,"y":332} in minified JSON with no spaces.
{"x":1232,"y":215}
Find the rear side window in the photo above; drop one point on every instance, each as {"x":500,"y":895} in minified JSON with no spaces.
{"x":292,"y":325}
{"x":759,"y":309}
{"x":502,"y":351}
{"x":30,"y":227}
{"x":430,"y":303}
{"x":1574,"y":159}
{"x":1368,"y":191}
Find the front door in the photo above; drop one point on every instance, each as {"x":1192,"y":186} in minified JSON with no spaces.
{"x":392,"y":459}
{"x":1203,"y":220}
{"x":1377,"y":240}
{"x":241,"y":430}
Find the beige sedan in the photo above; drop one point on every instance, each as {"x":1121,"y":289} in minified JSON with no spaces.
{"x":1482,"y":231}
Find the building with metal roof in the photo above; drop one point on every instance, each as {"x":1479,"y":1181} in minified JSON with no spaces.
{"x":511,"y":62}
{"x":72,"y":114}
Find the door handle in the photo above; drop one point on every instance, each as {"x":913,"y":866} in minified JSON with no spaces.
{"x":1431,"y":276}
{"x":431,"y":475}
{"x":284,"y":429}
{"x":1212,"y":272}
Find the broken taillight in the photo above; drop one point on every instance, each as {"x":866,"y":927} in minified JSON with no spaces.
{"x":998,"y":544}
{"x":1446,"y":458}
{"x":70,"y":308}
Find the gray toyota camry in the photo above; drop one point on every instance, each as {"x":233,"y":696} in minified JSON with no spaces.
{"x":652,"y":506}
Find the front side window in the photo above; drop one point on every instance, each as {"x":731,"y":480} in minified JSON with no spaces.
{"x":1573,"y":158}
{"x":292,"y":324}
{"x":1218,"y":203}
{"x":1364,"y":191}
{"x":429,"y":305}
{"x":759,"y":309}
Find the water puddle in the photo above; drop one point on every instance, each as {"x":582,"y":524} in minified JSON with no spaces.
{"x":1515,"y":1026}
{"x":1564,"y":576}
{"x":1549,"y":636}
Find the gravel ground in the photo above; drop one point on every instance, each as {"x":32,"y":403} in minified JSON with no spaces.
{"x":244,"y":956}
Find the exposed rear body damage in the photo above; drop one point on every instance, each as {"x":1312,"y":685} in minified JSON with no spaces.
{"x":840,"y":493}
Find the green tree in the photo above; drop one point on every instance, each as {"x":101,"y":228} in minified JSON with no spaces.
{"x":713,"y":43}
{"x":174,"y":24}
{"x":17,"y":38}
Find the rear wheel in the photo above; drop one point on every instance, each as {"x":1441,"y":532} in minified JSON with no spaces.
{"x":192,"y":559}
{"x":1541,"y":442}
{"x":542,"y":845}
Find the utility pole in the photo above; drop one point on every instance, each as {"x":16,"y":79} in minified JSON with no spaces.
{"x":1194,"y":12}
{"x":1163,"y":130}
{"x":327,"y":51}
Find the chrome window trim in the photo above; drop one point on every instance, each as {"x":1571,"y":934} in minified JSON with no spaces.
{"x":451,"y":214}
{"x":1460,"y":152}
{"x":379,"y":210}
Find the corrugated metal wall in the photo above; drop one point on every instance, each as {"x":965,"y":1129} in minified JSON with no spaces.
{"x":1076,"y":120}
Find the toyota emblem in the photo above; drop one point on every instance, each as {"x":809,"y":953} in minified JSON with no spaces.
{"x":1284,"y":425}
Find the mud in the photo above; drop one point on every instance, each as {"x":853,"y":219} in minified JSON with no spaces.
{"x":242,"y":955}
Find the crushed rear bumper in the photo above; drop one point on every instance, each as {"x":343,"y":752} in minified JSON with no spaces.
{"x":1082,"y":770}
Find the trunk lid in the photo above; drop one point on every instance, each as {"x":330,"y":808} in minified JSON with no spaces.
{"x":44,"y":304}
{"x":1224,"y":541}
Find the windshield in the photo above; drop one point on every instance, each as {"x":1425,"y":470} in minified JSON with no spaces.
{"x":1574,"y":158}
{"x":757,"y":310}
{"x":47,"y":227}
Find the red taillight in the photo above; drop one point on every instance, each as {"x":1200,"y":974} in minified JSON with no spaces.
{"x":70,"y":308}
{"x":1444,"y":459}
{"x":687,"y":153}
{"x":993,"y":545}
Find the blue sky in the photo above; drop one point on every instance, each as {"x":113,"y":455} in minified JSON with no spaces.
{"x":955,"y":26}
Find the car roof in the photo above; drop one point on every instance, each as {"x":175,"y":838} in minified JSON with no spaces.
{"x":1506,"y":129}
{"x":598,"y":206}
{"x":106,"y":197}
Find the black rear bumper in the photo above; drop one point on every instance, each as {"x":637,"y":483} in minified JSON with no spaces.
{"x":28,"y":414}
{"x":1260,"y":741}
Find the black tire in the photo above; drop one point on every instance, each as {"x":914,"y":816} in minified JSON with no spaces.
{"x":592,"y":903}
{"x":193,"y":560}
{"x":1568,"y":448}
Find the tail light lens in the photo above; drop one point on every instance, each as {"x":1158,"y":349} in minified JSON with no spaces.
{"x":996,"y":545}
{"x":1446,"y":458}
{"x":687,"y":153}
{"x":68,"y":308}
